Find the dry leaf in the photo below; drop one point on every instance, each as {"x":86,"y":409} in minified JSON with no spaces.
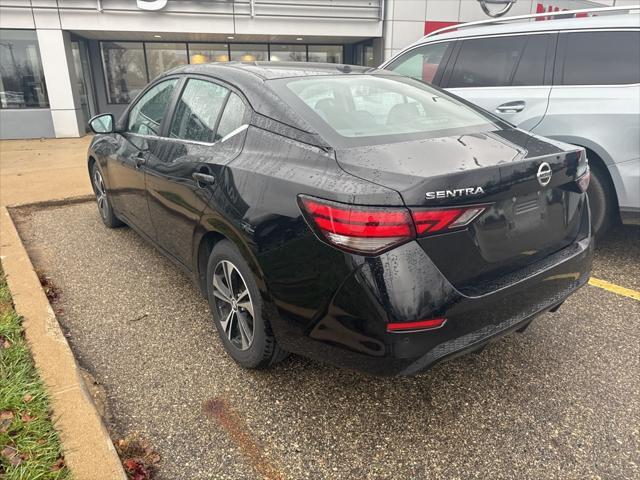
{"x":27,"y":417}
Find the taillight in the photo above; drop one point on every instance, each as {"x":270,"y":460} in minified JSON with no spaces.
{"x":373,"y":230}
{"x":368,"y":230}
{"x":583,"y":180}
{"x":442,"y":219}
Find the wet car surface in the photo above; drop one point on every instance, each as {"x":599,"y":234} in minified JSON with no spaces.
{"x":561,"y":400}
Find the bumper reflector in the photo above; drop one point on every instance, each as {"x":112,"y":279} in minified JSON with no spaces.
{"x":417,"y":326}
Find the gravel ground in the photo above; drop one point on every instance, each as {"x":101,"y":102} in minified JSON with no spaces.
{"x":561,"y":400}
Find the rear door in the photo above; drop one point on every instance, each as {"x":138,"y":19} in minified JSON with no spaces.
{"x":508,"y":75}
{"x":206,"y":131}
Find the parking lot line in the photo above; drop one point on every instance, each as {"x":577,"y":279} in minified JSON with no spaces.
{"x":612,"y":287}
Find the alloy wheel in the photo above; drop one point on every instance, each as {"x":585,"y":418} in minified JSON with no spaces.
{"x":234,"y":305}
{"x":101,"y":193}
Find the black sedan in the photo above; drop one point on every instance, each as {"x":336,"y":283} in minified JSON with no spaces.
{"x":346,"y":214}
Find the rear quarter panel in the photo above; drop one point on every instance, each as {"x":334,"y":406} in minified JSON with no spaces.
{"x":256,"y":207}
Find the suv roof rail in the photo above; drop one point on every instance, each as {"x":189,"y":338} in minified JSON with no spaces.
{"x":563,"y":14}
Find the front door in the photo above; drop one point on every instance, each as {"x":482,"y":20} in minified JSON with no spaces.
{"x":205,"y":133}
{"x":138,"y":145}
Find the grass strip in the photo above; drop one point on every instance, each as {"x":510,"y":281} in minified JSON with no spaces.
{"x":30,"y":447}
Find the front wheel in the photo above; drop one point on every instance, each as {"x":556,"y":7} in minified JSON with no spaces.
{"x":102,"y":198}
{"x":237,"y":309}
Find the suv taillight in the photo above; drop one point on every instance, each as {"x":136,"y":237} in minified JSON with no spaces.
{"x":373,"y":230}
{"x":583,"y":180}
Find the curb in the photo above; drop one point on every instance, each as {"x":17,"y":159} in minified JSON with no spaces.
{"x":89,"y":452}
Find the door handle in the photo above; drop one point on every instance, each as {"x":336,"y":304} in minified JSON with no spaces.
{"x":203,"y":179}
{"x":141,"y":159}
{"x":511,"y":107}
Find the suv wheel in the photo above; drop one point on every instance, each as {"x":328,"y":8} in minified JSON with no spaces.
{"x":601,"y":202}
{"x":236,"y":306}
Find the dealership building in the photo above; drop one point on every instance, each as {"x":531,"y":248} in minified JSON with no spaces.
{"x":63,"y":61}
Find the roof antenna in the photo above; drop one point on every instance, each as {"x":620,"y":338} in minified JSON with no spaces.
{"x":345,"y":68}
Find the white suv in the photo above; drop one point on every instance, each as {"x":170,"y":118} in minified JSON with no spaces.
{"x":575,"y":79}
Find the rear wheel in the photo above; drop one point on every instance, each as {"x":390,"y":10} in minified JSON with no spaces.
{"x":102,"y":198}
{"x":236,"y":306}
{"x":601,"y":202}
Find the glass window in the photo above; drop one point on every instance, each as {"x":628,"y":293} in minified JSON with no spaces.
{"x":369,"y":106}
{"x":165,"y":56}
{"x":530,"y":69}
{"x":421,"y":63}
{"x":124,"y":69}
{"x":487,"y":62}
{"x":288,"y":53}
{"x":198,"y":110}
{"x":146,"y":115}
{"x":208,"y":52}
{"x":325,"y":53}
{"x":21,"y":79}
{"x":231,"y":117}
{"x":602,"y":58}
{"x":249,"y":52}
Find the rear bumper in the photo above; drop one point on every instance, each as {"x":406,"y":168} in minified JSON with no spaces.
{"x":404,"y":285}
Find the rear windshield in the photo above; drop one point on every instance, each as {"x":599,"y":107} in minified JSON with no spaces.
{"x":378,"y":109}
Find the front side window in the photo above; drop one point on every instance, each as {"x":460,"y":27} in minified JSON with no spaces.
{"x":198,"y":110}
{"x":22,"y":82}
{"x":497,"y":61}
{"x":602,"y":58}
{"x":366,"y":106}
{"x":124,"y":69}
{"x":146,"y":115}
{"x":421,"y":63}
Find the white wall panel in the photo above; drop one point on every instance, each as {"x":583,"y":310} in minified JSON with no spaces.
{"x":405,"y":33}
{"x":59,"y":74}
{"x":443,"y":10}
{"x":15,"y":17}
{"x":409,"y":10}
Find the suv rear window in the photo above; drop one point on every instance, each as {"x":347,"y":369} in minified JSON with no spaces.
{"x":368,"y":106}
{"x":602,"y":58}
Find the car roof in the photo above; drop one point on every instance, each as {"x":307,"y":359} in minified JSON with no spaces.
{"x":629,"y":20}
{"x":273,"y":70}
{"x":252,"y":80}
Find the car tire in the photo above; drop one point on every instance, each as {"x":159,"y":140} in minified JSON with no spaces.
{"x":239,"y":315}
{"x":601,"y":202}
{"x":105,"y":209}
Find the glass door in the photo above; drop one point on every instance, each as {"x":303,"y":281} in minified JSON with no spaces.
{"x":83,"y":80}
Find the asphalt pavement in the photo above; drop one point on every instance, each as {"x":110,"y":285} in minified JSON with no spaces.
{"x":561,"y":400}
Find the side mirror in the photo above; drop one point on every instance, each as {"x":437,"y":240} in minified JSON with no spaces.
{"x":102,"y":123}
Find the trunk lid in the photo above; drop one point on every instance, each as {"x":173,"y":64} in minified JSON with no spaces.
{"x":525,"y":219}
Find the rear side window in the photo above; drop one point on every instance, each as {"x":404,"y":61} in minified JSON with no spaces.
{"x":500,"y":62}
{"x":197,"y":112}
{"x":602,"y":58}
{"x":422,"y":63}
{"x":231,"y":117}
